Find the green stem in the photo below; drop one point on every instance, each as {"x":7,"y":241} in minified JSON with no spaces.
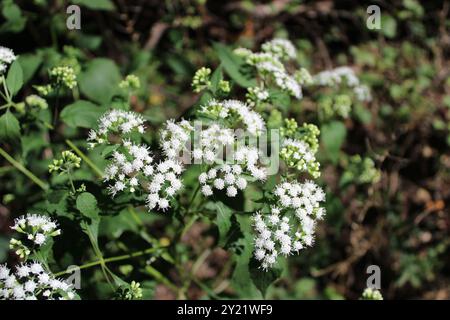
{"x":8,"y":98}
{"x":71,"y":181}
{"x":112,"y":259}
{"x":100,"y":258}
{"x":192,"y":199}
{"x":85,"y":158}
{"x":24,"y":170}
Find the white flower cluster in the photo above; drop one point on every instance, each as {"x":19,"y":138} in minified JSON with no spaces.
{"x":269,"y":64}
{"x":132,"y":166}
{"x":7,"y":56}
{"x":175,"y":136}
{"x":37,"y":229}
{"x":290,"y":226}
{"x":281,"y":48}
{"x":343,"y":75}
{"x":116,"y":122}
{"x":230,"y":109}
{"x":256,"y":95}
{"x":233,"y":177}
{"x":31,"y":282}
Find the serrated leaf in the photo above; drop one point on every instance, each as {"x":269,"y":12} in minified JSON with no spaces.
{"x":82,"y":114}
{"x":9,"y":127}
{"x":87,"y":205}
{"x":14,"y":79}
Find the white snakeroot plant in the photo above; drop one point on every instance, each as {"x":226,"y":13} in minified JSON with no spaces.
{"x":286,"y":220}
{"x":7,"y":57}
{"x":37,"y":229}
{"x":31,"y":282}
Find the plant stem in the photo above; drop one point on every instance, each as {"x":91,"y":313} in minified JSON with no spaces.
{"x":192,"y":199}
{"x":55,"y":115}
{"x":24,"y":170}
{"x":69,"y":173}
{"x":112,"y":259}
{"x":85,"y":158}
{"x":8,"y":98}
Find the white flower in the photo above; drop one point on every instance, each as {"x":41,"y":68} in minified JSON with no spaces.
{"x":281,"y":48}
{"x":116,"y":122}
{"x":36,"y":284}
{"x":35,"y":228}
{"x":277,"y":233}
{"x":7,"y":56}
{"x":343,"y":76}
{"x":206,"y":190}
{"x":231,"y":191}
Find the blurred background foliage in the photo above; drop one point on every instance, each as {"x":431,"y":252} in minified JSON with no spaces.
{"x":385,"y":166}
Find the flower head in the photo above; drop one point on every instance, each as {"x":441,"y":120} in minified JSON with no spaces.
{"x":31,"y":282}
{"x":7,"y":56}
{"x":37,"y":229}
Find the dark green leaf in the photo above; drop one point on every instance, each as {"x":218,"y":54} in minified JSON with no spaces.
{"x":14,"y":79}
{"x":87,"y":205}
{"x":223,"y":221}
{"x":29,"y":63}
{"x":82,"y":114}
{"x":233,"y":65}
{"x":261,"y":278}
{"x":9,"y":127}
{"x":100,"y":80}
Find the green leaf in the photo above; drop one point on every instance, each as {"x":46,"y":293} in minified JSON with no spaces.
{"x":233,"y":65}
{"x":96,"y":4}
{"x":280,"y":99}
{"x":29,"y":63}
{"x":100,"y":80}
{"x":9,"y":127}
{"x":87,"y":205}
{"x":15,"y":21}
{"x":82,"y":114}
{"x":241,"y":280}
{"x":362,"y":114}
{"x":261,"y":278}
{"x":332,"y":136}
{"x":14,"y":79}
{"x":223,"y":221}
{"x":215,"y":79}
{"x":388,"y":25}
